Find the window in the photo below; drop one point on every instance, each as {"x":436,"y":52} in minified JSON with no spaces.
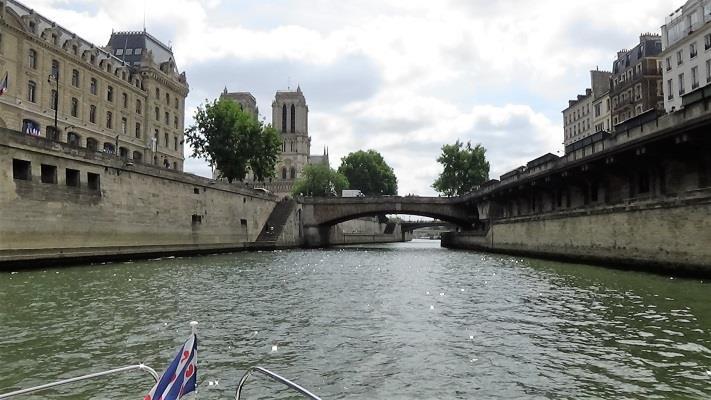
{"x":138,"y":130}
{"x":166,"y":118}
{"x":129,"y":52}
{"x":679,"y":57}
{"x":48,"y":173}
{"x":293,"y":119}
{"x":75,"y":107}
{"x":124,"y":123}
{"x":53,"y":100}
{"x":94,"y":181}
{"x":137,"y":156}
{"x":92,"y":144}
{"x":692,"y":50}
{"x":283,"y":122}
{"x":33,"y":27}
{"x":55,"y":69}
{"x":137,"y":52}
{"x":21,"y":170}
{"x":196,"y":219}
{"x":708,"y":71}
{"x":138,"y":106}
{"x":175,"y":122}
{"x":110,"y":93}
{"x":157,"y":110}
{"x":165,"y":140}
{"x":158,"y":93}
{"x":73,"y":139}
{"x":32,"y":59}
{"x":707,"y":41}
{"x":167,"y":99}
{"x":109,"y":148}
{"x":72,"y":177}
{"x":283,"y":171}
{"x":109,"y":122}
{"x":93,"y":86}
{"x":31,"y":91}
{"x":124,"y":97}
{"x":92,"y":114}
{"x":670,"y":89}
{"x":176,"y":102}
{"x":694,"y":78}
{"x":682,"y":89}
{"x":175,"y":143}
{"x":75,"y":78}
{"x":292,"y":173}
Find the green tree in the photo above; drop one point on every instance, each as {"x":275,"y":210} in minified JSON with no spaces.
{"x":368,"y":172}
{"x":319,"y":180}
{"x":233,"y":141}
{"x":464,"y":168}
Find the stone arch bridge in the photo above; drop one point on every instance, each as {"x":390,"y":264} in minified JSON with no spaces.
{"x":318,"y":215}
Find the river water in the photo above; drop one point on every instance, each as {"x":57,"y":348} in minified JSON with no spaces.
{"x":399,"y":321}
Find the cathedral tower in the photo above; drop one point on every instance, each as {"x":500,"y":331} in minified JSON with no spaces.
{"x":290,"y":116}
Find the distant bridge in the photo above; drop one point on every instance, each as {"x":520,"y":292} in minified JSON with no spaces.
{"x":318,"y":215}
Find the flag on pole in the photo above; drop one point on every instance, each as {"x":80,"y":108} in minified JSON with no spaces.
{"x":3,"y":85}
{"x":180,"y":378}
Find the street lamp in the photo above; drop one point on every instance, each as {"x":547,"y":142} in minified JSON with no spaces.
{"x":55,"y":75}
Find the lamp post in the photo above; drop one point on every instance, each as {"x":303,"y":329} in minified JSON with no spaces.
{"x":55,"y":75}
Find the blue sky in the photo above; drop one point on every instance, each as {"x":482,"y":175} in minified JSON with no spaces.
{"x":400,"y":77}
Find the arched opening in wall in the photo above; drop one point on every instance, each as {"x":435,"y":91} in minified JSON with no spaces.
{"x":293,"y":119}
{"x":137,"y":156}
{"x":73,"y":139}
{"x":52,"y":134}
{"x":30,"y":127}
{"x":109,"y":148}
{"x":292,"y":173}
{"x":92,"y":144}
{"x":155,"y":160}
{"x":123,"y":153}
{"x":283,"y":118}
{"x":283,"y":173}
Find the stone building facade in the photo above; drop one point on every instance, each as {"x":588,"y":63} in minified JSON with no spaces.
{"x":589,"y":113}
{"x":637,"y":80}
{"x":126,"y":99}
{"x":686,"y":59}
{"x":246,"y":101}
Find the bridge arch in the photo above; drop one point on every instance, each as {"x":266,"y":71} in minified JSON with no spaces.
{"x":332,"y":211}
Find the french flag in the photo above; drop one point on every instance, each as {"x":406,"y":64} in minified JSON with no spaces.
{"x":180,"y":378}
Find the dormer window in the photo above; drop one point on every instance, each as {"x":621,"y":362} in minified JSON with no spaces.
{"x":33,"y":27}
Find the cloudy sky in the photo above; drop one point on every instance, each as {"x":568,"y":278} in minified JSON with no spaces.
{"x":402,"y":77}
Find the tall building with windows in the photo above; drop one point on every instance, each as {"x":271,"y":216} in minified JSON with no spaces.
{"x":637,"y":80}
{"x":590,"y":112}
{"x":127,"y":98}
{"x":245,"y":100}
{"x":686,"y":59}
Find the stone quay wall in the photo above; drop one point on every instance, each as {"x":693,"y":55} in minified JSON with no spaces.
{"x":64,"y":204}
{"x":663,"y":236}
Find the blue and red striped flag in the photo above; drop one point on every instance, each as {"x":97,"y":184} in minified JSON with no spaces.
{"x":180,"y":378}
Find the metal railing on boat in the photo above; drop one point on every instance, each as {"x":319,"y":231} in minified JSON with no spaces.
{"x":275,"y":377}
{"x":140,"y":367}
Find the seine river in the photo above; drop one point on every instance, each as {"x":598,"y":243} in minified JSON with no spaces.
{"x":400,"y":321}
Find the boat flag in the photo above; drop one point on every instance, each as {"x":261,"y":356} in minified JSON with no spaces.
{"x":3,"y":85}
{"x":180,"y":378}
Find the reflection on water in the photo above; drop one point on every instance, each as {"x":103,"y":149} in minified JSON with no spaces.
{"x":401,"y":321}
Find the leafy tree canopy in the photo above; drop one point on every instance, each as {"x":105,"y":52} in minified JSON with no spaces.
{"x":319,"y":180}
{"x":233,"y":141}
{"x":465,"y":167}
{"x":368,"y":172}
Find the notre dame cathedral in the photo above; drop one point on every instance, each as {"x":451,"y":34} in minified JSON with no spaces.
{"x":290,"y":116}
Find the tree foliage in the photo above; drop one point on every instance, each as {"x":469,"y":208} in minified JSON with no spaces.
{"x":464,"y":168}
{"x":233,"y":141}
{"x":368,"y":172}
{"x":319,"y":180}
